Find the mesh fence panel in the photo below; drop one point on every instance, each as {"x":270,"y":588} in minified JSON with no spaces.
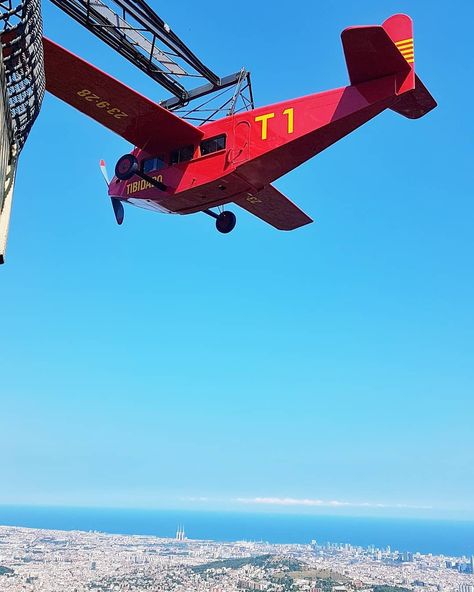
{"x":22,"y":86}
{"x":23,"y":59}
{"x":6,"y":135}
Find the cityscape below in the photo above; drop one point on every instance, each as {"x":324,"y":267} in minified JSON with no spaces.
{"x":44,"y":560}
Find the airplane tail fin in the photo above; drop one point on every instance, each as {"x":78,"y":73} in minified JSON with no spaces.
{"x":417,"y":101}
{"x":373,"y":52}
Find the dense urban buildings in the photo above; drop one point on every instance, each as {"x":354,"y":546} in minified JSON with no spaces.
{"x":62,"y":561}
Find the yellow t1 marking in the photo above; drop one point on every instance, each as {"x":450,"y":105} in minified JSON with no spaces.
{"x":264,"y":119}
{"x":290,"y":114}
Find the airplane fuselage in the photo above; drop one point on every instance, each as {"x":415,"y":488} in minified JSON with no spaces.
{"x":239,"y":155}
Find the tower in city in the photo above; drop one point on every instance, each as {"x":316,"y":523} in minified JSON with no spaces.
{"x":180,"y":535}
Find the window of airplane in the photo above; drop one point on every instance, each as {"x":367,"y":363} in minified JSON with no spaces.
{"x":182,"y":154}
{"x":213,"y":145}
{"x":153,"y":164}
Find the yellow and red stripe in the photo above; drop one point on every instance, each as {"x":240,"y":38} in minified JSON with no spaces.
{"x":406,"y":48}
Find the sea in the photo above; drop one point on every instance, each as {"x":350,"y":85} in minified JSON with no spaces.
{"x":439,"y":537}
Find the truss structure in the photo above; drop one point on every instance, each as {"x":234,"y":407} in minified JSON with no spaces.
{"x":135,"y":31}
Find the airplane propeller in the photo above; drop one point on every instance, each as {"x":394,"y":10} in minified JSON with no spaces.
{"x":116,"y":203}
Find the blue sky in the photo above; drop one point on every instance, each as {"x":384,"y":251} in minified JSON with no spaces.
{"x":161,"y":364}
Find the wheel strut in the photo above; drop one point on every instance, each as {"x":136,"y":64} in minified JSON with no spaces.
{"x":211,"y":214}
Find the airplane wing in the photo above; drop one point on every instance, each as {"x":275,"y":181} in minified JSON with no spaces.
{"x":116,"y":106}
{"x":273,"y":207}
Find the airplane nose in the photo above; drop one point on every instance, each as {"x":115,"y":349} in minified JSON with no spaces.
{"x":127,"y":166}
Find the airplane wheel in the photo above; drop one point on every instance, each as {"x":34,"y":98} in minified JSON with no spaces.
{"x":126,"y":167}
{"x":225,"y":222}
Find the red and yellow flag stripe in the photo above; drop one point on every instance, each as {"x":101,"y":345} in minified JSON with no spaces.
{"x":406,"y":48}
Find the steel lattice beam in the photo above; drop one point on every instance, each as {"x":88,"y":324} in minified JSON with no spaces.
{"x":135,"y":31}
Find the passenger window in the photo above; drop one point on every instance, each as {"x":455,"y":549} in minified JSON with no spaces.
{"x":182,"y":154}
{"x":153,"y":164}
{"x":212,"y":145}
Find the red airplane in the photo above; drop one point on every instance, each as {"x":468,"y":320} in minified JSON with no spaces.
{"x":179,"y":168}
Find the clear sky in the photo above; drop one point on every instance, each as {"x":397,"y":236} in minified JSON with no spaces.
{"x":161,"y":364}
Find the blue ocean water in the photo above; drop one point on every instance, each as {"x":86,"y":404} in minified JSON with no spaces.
{"x":454,"y":538}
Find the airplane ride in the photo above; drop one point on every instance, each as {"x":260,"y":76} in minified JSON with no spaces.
{"x":181,"y":168}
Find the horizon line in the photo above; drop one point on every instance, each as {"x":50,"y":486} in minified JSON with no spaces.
{"x":248,"y":510}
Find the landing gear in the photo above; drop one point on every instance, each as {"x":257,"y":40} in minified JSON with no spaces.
{"x":225,"y":221}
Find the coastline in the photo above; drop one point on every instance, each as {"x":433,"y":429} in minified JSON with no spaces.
{"x":453,"y":538}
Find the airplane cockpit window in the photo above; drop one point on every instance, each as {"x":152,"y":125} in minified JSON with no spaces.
{"x":213,"y":145}
{"x":182,"y":154}
{"x":153,"y":164}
